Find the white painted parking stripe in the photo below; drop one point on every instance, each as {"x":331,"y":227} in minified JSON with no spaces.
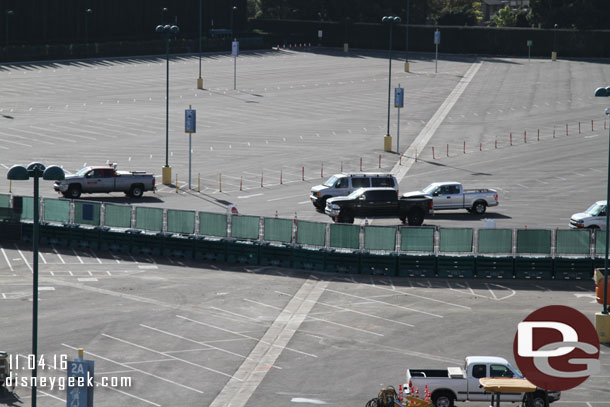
{"x":58,"y":255}
{"x":385,"y":303}
{"x":237,"y":392}
{"x":6,"y":258}
{"x":209,"y":347}
{"x":173,"y":357}
{"x":24,"y":259}
{"x":136,"y":369}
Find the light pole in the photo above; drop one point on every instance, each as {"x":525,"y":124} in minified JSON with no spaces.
{"x":233,"y":10}
{"x":602,"y":322}
{"x":9,"y":13}
{"x":87,"y":13}
{"x":167,"y":31}
{"x":407,"y":40}
{"x":200,"y":79}
{"x":21,"y":173}
{"x":391,"y":20}
{"x":320,"y":29}
{"x":346,"y":43}
{"x":163,"y":11}
{"x":554,"y":52}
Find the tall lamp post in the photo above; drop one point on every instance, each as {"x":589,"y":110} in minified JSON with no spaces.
{"x":87,"y":13}
{"x":602,"y":320}
{"x":233,"y":10}
{"x":21,"y":173}
{"x":346,"y":43}
{"x":9,"y":13}
{"x":554,"y":52}
{"x":391,"y":20}
{"x":163,"y":11}
{"x":320,"y":28}
{"x":407,"y":39}
{"x":167,"y":31}
{"x":200,"y":79}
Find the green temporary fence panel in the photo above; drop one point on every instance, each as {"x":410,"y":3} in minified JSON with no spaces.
{"x":573,"y":241}
{"x":415,"y":239}
{"x":5,"y":201}
{"x":180,"y":221}
{"x":117,"y":216}
{"x":212,"y":224}
{"x":311,"y":233}
{"x":534,"y":241}
{"x":345,"y":236}
{"x":27,"y":211}
{"x":57,"y":210}
{"x":149,"y":219}
{"x":380,"y":238}
{"x":87,"y":213}
{"x":455,"y":240}
{"x":245,"y":227}
{"x":278,"y":230}
{"x":600,"y":243}
{"x":495,"y":241}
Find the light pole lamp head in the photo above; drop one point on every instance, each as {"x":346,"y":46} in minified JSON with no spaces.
{"x":555,"y":26}
{"x":397,"y":20}
{"x":385,"y":19}
{"x":602,"y":92}
{"x":9,"y":12}
{"x":159,"y":28}
{"x":174,"y":29}
{"x":89,"y":11}
{"x":18,"y":173}
{"x":54,"y":173}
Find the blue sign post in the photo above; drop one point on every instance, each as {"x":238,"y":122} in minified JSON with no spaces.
{"x":190,"y":127}
{"x":437,"y":40}
{"x":399,"y":100}
{"x":80,"y":383}
{"x":235,"y":53}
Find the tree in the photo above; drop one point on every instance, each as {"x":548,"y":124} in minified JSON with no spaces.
{"x":582,"y":14}
{"x":505,"y":17}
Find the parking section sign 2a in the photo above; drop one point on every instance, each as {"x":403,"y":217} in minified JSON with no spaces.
{"x":80,"y":383}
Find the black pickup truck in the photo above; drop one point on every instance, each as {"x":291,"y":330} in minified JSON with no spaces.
{"x":378,"y":203}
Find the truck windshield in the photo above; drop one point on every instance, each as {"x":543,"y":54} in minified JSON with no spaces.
{"x":82,"y":172}
{"x":515,"y":370}
{"x":429,"y":189}
{"x":331,"y":181}
{"x":595,"y":209}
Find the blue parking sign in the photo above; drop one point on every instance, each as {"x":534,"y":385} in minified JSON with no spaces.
{"x":80,"y":389}
{"x":190,"y":121}
{"x":399,"y":97}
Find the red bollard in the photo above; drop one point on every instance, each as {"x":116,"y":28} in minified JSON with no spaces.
{"x":538,"y":134}
{"x":496,"y":143}
{"x":241,"y":181}
{"x":415,"y":155}
{"x":303,"y":173}
{"x":433,"y":157}
{"x":480,"y":146}
{"x":525,"y":136}
{"x":400,"y":160}
{"x":464,"y":146}
{"x":578,"y":127}
{"x":261,"y":179}
{"x":322,"y":171}
{"x":447,"y":149}
{"x":592,"y":125}
{"x":379,"y":160}
{"x":511,"y":139}
{"x":281,"y":181}
{"x":553,"y":133}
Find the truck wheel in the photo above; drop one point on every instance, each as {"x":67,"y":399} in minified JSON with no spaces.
{"x":136,"y":191}
{"x":443,"y":399}
{"x":322,"y":203}
{"x":346,"y":216}
{"x":593,"y":227}
{"x":74,"y":191}
{"x":539,"y":400}
{"x":416,"y":217}
{"x":479,"y":207}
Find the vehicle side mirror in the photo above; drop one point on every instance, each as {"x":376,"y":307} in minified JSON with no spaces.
{"x":89,"y":175}
{"x":435,"y":193}
{"x":362,"y":197}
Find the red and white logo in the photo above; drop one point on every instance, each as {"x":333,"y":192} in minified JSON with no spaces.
{"x":556,"y":348}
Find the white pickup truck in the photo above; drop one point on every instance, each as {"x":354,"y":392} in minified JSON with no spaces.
{"x":105,"y":179}
{"x":447,"y":386}
{"x":451,"y":195}
{"x":592,"y":218}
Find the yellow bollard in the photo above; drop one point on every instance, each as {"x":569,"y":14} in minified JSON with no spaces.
{"x":176,"y":183}
{"x":198,"y":182}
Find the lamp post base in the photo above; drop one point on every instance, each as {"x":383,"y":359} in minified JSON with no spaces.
{"x":406,"y":67}
{"x":387,"y":143}
{"x":602,"y":326}
{"x":554,"y":56}
{"x":166,"y":175}
{"x":199,"y":83}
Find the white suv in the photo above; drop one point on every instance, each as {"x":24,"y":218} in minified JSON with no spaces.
{"x":592,"y":218}
{"x":344,"y":184}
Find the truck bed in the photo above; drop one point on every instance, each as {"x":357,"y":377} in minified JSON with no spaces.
{"x":429,"y":373}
